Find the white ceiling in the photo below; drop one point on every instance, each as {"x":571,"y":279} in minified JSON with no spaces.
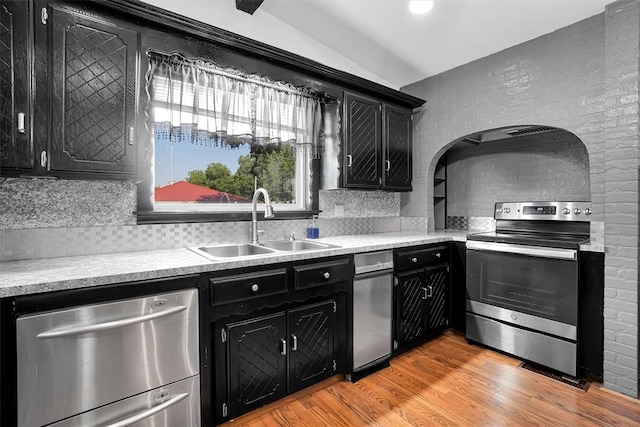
{"x":385,"y":39}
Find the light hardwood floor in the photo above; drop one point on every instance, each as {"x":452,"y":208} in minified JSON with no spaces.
{"x":447,"y":382}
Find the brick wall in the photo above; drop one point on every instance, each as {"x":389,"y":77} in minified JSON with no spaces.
{"x":582,"y":78}
{"x":622,"y":58}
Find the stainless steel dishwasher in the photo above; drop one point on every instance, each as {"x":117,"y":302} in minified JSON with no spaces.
{"x":372,"y":311}
{"x":121,"y":363}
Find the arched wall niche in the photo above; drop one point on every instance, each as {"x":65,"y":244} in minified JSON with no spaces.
{"x":507,"y":164}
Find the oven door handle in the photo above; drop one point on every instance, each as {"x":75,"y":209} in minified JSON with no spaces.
{"x":536,"y":251}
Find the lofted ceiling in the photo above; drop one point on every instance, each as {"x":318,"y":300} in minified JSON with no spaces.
{"x":383,"y":37}
{"x":381,"y":40}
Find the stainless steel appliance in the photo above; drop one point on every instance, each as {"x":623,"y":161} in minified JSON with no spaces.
{"x":116,"y":364}
{"x":372,"y":310}
{"x":523,"y":282}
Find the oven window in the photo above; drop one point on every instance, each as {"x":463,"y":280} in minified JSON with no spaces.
{"x":542,"y":287}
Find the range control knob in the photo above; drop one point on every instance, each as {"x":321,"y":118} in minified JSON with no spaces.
{"x":577,"y":211}
{"x":507,"y":210}
{"x":499,"y":210}
{"x":566,"y":211}
{"x":587,"y":211}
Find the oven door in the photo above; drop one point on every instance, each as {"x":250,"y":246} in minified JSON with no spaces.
{"x":530,"y":286}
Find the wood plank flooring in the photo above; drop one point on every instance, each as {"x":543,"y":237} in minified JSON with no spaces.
{"x":447,"y":382}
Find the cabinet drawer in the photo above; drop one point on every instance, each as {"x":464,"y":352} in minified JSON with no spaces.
{"x":320,"y":274}
{"x":419,"y":258}
{"x":248,"y":286}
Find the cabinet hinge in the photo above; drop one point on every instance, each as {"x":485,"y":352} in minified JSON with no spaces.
{"x":395,"y":281}
{"x":43,"y":159}
{"x":335,"y":307}
{"x":223,"y":335}
{"x":225,"y":411}
{"x":335,"y":366}
{"x":44,"y":16}
{"x":395,"y":344}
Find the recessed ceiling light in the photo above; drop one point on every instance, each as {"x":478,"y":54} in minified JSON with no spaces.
{"x":420,"y":7}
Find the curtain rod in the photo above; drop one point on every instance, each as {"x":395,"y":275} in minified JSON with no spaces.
{"x":176,"y":57}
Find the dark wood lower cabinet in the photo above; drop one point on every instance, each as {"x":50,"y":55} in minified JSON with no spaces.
{"x":271,"y":356}
{"x":422,"y":304}
{"x":257,"y":362}
{"x":437,"y":298}
{"x":312,"y":342}
{"x":411,"y":310}
{"x":422,"y":295}
{"x":591,"y":317}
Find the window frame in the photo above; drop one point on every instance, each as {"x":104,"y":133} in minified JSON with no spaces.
{"x":146,"y":213}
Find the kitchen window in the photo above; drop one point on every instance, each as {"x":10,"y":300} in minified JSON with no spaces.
{"x":218,"y":134}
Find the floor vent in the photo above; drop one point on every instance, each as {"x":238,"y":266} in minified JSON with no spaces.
{"x":574,"y":382}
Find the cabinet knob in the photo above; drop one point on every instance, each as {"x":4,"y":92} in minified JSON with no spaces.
{"x":414,"y":259}
{"x":326,"y":275}
{"x":255,"y":287}
{"x":437,"y":254}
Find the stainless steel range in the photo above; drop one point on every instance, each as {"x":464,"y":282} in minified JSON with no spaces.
{"x":523,"y":282}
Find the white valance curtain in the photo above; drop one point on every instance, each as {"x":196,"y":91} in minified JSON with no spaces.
{"x":196,"y":101}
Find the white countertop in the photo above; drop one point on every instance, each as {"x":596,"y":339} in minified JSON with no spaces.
{"x":55,"y":274}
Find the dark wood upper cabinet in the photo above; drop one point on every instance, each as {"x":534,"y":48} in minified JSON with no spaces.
{"x":16,"y":146}
{"x":73,"y":102}
{"x":362,"y":163}
{"x":377,"y":145}
{"x":92,"y":66}
{"x":397,"y":153}
{"x":69,"y":88}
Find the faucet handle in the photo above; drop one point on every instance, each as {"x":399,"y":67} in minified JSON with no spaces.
{"x":292,"y":236}
{"x":261,"y":232}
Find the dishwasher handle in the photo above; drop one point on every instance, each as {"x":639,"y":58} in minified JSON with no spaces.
{"x":372,"y":273}
{"x":149,"y":412}
{"x":98,"y":327}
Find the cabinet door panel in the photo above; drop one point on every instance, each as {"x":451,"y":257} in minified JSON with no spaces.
{"x":93,"y":69}
{"x":363,"y":143}
{"x":257,"y":365}
{"x":438,"y":291}
{"x":397,"y":127}
{"x":411,"y":311}
{"x":16,"y":148}
{"x":312,"y":344}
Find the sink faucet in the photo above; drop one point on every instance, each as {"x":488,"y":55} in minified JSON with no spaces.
{"x":268,"y":213}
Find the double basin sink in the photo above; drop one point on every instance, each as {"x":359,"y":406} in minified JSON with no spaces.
{"x":244,"y":250}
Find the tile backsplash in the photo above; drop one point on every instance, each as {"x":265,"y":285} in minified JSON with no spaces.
{"x":343,"y":203}
{"x":45,"y":203}
{"x":17,"y":244}
{"x":45,"y":218}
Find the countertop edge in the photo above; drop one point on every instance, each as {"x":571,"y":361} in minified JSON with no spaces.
{"x":56,"y":274}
